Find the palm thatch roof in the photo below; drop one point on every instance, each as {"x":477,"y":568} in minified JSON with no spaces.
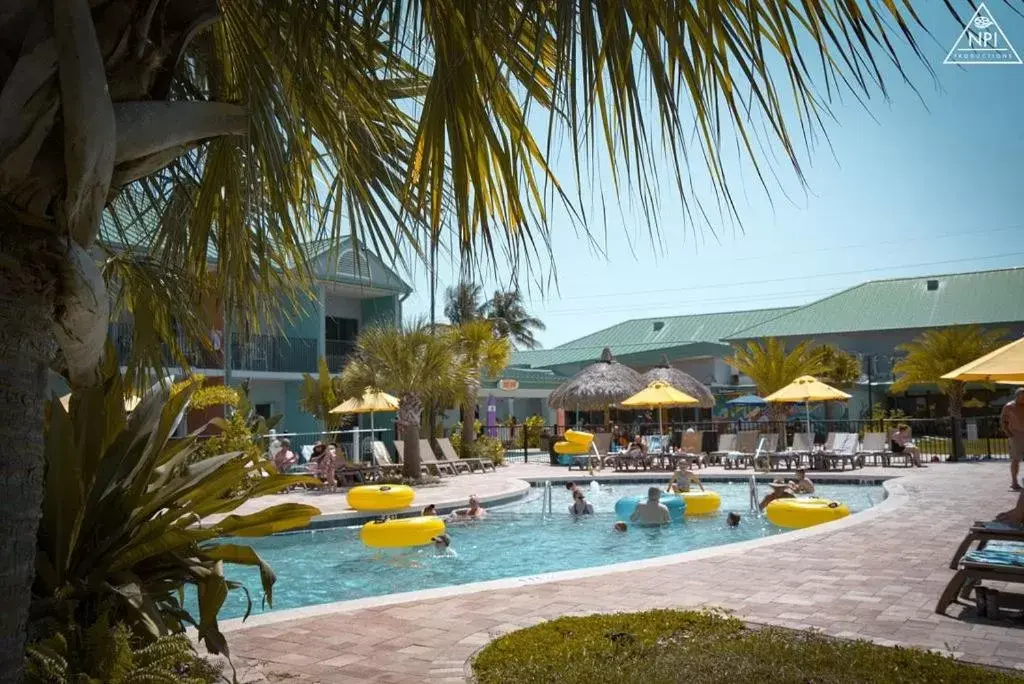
{"x":684,"y":382}
{"x":597,"y":386}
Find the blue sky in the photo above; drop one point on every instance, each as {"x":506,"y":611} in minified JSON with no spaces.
{"x":911,"y":186}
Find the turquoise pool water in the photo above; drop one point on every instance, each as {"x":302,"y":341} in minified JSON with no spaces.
{"x":515,"y":540}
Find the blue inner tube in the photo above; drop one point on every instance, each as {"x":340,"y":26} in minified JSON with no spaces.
{"x":625,"y":506}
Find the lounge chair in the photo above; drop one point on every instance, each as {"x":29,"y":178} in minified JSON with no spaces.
{"x":726,"y":445}
{"x":983,"y":533}
{"x":400,"y":455}
{"x":428,"y":459}
{"x":1002,"y":564}
{"x":767,"y":448}
{"x":746,"y":446}
{"x":873,"y":446}
{"x":803,"y":445}
{"x":844,"y":451}
{"x":690,"y":450}
{"x":448,"y":454}
{"x":383,"y":459}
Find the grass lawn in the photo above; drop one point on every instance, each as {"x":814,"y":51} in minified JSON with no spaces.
{"x":676,"y":646}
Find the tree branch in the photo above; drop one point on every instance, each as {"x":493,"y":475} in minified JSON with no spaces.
{"x":144,"y":166}
{"x":89,"y":136}
{"x":149,"y":128}
{"x":82,"y":316}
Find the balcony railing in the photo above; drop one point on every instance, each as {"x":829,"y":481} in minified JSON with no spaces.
{"x":268,"y":353}
{"x":338,"y":352}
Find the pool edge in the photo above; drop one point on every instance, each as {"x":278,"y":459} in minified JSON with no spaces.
{"x":896,"y":497}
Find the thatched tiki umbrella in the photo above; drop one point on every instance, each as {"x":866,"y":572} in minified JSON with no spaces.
{"x":597,"y":386}
{"x":684,"y":382}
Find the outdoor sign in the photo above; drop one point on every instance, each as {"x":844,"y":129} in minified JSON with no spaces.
{"x":508,"y":384}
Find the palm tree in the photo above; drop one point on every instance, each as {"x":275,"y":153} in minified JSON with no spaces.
{"x":320,"y":394}
{"x":462,"y":303}
{"x":482,"y":351}
{"x":936,"y":352}
{"x":244,"y":128}
{"x":508,"y":313}
{"x":839,"y":369}
{"x":772,"y":367}
{"x":416,"y":366}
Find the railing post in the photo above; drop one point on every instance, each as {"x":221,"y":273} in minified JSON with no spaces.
{"x":957,"y":450}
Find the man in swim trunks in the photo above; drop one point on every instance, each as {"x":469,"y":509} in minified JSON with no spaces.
{"x":652,"y":511}
{"x":474,"y":512}
{"x":1011,"y":419}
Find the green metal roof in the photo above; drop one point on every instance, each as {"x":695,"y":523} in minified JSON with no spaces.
{"x":532,"y":378}
{"x":982,"y":297}
{"x":135,"y":228}
{"x":644,"y":335}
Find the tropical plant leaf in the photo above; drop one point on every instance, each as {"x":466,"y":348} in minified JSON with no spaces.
{"x":244,"y":555}
{"x":279,"y":518}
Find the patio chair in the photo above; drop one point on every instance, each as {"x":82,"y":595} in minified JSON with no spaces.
{"x":873,"y":446}
{"x":428,"y":459}
{"x":983,"y":533}
{"x":726,"y":445}
{"x":448,"y":454}
{"x":383,"y":459}
{"x":746,"y":446}
{"x":803,"y":446}
{"x":817,"y":458}
{"x":844,"y":451}
{"x":1002,"y":564}
{"x":691,"y":450}
{"x":400,"y":455}
{"x":767,"y":448}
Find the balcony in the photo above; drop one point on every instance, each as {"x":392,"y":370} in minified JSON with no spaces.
{"x":338,"y":352}
{"x":265,"y":353}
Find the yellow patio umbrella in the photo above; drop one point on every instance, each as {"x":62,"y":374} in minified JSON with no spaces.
{"x":804,"y":390}
{"x":1005,"y":365}
{"x":659,"y":395}
{"x":370,"y":402}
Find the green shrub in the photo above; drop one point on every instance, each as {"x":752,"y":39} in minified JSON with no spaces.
{"x":106,"y":655}
{"x":670,"y":646}
{"x":490,"y":448}
{"x":456,"y":435}
{"x":120,"y":531}
{"x":423,"y":481}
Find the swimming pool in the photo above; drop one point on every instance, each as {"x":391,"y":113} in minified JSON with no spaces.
{"x":323,"y":566}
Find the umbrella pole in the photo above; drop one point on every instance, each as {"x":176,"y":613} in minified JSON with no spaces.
{"x":661,"y":427}
{"x":807,"y":407}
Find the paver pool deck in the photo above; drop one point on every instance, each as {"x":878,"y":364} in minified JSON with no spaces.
{"x":875,"y":576}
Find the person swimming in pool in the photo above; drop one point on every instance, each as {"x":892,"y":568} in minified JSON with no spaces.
{"x":733,"y":519}
{"x":473,"y":512}
{"x":430,"y":510}
{"x":580,"y":505}
{"x":620,"y":527}
{"x":681,"y":480}
{"x":652,"y":511}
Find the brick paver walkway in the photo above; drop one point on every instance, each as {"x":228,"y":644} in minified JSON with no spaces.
{"x":876,"y":580}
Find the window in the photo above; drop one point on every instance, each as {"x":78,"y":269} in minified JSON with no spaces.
{"x":341,"y":329}
{"x":265,"y":410}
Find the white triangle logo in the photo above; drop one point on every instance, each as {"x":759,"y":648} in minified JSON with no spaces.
{"x":982,"y":42}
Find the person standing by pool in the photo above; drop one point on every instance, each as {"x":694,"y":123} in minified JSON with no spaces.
{"x":580,"y":506}
{"x":652,"y":511}
{"x":1011,"y":419}
{"x":901,"y":443}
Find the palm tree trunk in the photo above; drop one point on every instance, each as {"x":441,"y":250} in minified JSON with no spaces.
{"x":27,"y":313}
{"x":468,"y":428}
{"x":410,"y":409}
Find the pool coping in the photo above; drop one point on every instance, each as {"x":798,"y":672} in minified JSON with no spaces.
{"x":896,"y":497}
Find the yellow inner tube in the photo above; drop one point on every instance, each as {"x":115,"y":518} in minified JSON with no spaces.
{"x":393,"y":534}
{"x":380,"y":497}
{"x":701,"y":503}
{"x":578,"y":437}
{"x":798,"y":513}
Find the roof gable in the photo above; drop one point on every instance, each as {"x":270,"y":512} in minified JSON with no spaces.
{"x":982,"y":297}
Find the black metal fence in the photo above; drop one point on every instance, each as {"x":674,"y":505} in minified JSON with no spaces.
{"x":981,"y":438}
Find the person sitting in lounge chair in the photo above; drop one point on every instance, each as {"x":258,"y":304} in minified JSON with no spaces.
{"x":780,"y":490}
{"x":580,"y":506}
{"x":285,"y":458}
{"x":901,"y":443}
{"x":802,"y":484}
{"x":652,"y":511}
{"x":473,"y":512}
{"x":637,"y":448}
{"x":681,"y":480}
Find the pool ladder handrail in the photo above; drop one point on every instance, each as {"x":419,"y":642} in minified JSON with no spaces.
{"x":545,"y":502}
{"x":755,"y":501}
